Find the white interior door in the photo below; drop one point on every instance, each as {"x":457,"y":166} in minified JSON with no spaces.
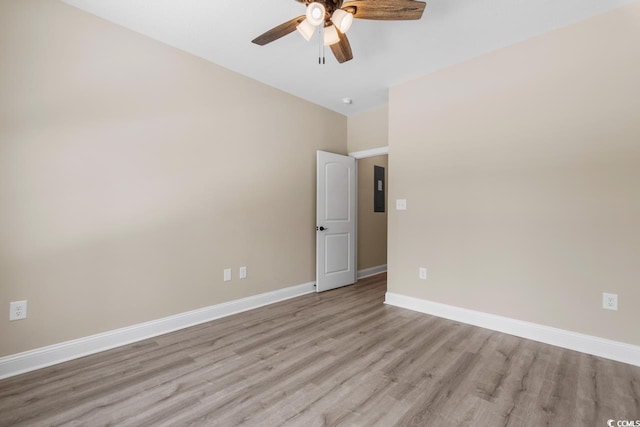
{"x":335,"y":221}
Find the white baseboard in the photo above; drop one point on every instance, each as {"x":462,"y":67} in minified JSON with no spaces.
{"x":371,"y":271}
{"x":46,"y":356}
{"x":596,"y":346}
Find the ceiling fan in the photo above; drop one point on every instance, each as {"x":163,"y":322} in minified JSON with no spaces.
{"x":333,"y":18}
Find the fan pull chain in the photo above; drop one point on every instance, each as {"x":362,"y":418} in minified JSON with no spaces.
{"x":321,"y":45}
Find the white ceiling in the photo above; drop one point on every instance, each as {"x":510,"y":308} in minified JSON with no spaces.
{"x":385,"y":53}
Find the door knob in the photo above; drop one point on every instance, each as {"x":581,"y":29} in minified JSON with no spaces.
{"x":321,"y":228}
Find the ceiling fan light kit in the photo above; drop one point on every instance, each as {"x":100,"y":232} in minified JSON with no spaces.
{"x":331,"y":36}
{"x":306,"y":29}
{"x":342,"y":20}
{"x":316,"y":13}
{"x":334,"y":18}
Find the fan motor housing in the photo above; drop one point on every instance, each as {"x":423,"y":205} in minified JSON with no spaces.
{"x":329,"y":5}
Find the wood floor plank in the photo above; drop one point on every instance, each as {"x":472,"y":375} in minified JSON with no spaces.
{"x":340,"y":358}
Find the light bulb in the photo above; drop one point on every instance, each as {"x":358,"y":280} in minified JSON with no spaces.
{"x":342,"y":19}
{"x":315,"y":13}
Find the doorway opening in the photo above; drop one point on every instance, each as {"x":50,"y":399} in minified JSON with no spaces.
{"x":372,"y":222}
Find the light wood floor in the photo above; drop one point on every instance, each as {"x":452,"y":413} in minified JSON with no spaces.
{"x":337,"y":358}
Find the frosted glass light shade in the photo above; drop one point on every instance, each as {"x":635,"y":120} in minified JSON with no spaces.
{"x":331,"y":35}
{"x":342,"y":20}
{"x":306,"y":29}
{"x":315,"y":13}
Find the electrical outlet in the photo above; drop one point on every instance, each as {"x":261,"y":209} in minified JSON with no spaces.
{"x":227,"y":274}
{"x":243,"y":272}
{"x":17,"y":310}
{"x":422,"y":273}
{"x":609,"y":301}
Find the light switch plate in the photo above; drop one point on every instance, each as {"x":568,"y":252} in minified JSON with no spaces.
{"x":401,"y":204}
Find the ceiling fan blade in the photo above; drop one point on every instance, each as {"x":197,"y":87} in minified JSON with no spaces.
{"x":342,"y":49}
{"x":276,"y":32}
{"x":385,"y":10}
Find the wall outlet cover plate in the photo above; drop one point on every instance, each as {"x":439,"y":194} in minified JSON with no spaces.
{"x":609,"y":301}
{"x":18,"y":310}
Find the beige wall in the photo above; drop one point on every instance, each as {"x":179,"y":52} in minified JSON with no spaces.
{"x":521,"y":170}
{"x":132,"y":174}
{"x":372,"y":226}
{"x":369,"y":129}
